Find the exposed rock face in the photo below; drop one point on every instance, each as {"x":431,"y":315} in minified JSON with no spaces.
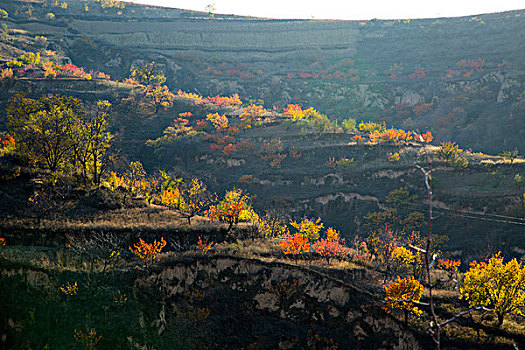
{"x":253,"y":292}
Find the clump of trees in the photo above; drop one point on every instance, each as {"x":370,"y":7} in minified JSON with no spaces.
{"x":57,"y":133}
{"x":307,"y":237}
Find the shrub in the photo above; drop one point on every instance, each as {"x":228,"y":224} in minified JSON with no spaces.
{"x":510,"y":155}
{"x":345,"y":164}
{"x":88,"y":338}
{"x":349,"y":125}
{"x":371,"y":127}
{"x":41,"y":41}
{"x":148,"y":251}
{"x":148,"y":74}
{"x":448,"y":151}
{"x":6,"y":73}
{"x":393,"y":157}
{"x":220,"y":100}
{"x":14,"y":64}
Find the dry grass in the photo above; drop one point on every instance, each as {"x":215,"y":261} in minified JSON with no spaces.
{"x":151,"y":218}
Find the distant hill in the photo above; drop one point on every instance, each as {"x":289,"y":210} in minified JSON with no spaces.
{"x":461,"y":78}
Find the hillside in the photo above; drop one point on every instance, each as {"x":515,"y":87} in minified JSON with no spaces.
{"x":177,"y":179}
{"x":461,"y":78}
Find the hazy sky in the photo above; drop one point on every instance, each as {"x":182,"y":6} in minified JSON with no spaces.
{"x":346,"y":9}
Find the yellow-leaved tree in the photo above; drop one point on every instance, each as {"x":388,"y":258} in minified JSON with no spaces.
{"x":497,"y":286}
{"x":402,"y":294}
{"x":194,"y":199}
{"x":308,"y":228}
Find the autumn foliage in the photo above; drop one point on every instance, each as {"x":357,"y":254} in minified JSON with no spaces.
{"x":402,"y":294}
{"x":192,"y":95}
{"x":88,"y":339}
{"x":148,"y":251}
{"x":308,"y":228}
{"x":69,"y":288}
{"x":7,"y":143}
{"x":251,"y":114}
{"x":228,"y":212}
{"x":497,"y":286}
{"x":220,"y":100}
{"x":294,"y":244}
{"x":425,"y":138}
{"x":204,"y":245}
{"x":333,"y":246}
{"x":390,"y":135}
{"x":232,"y":208}
{"x":448,"y":265}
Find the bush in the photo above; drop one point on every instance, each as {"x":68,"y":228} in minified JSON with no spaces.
{"x":349,"y":125}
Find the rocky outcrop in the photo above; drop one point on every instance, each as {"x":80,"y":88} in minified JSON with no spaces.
{"x":256,"y":291}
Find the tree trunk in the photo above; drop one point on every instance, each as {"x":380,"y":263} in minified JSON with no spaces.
{"x":500,"y":320}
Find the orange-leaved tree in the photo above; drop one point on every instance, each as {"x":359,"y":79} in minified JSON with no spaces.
{"x":294,"y":244}
{"x":402,"y":294}
{"x":204,"y":245}
{"x":425,"y":138}
{"x":88,"y":339}
{"x":252,"y":114}
{"x":333,"y":246}
{"x":497,"y":286}
{"x":148,"y":251}
{"x":451,"y":268}
{"x":232,"y":208}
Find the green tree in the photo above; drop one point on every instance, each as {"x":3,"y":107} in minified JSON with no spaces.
{"x":56,"y":133}
{"x":399,"y":215}
{"x":4,"y":32}
{"x":92,"y":143}
{"x":99,"y":140}
{"x":149,"y":74}
{"x":349,"y":125}
{"x":45,"y":130}
{"x":3,"y":14}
